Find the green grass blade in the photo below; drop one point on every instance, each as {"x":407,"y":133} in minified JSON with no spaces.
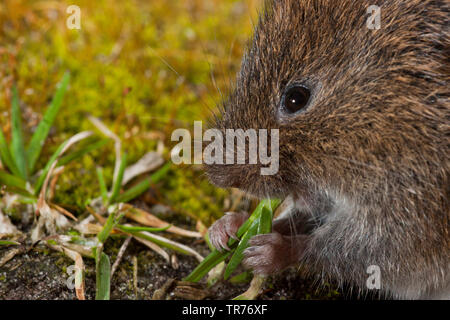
{"x":9,"y":243}
{"x":12,"y":181}
{"x":262,"y":224}
{"x":213,"y":259}
{"x":40,"y":135}
{"x":141,"y":187}
{"x":216,"y":257}
{"x":118,"y":180}
{"x":134,"y":192}
{"x":103,"y":278}
{"x":53,"y":158}
{"x":103,"y":266}
{"x":270,"y":204}
{"x":243,"y":277}
{"x":238,"y":254}
{"x":162,"y":242}
{"x":110,"y":223}
{"x":40,"y":181}
{"x":101,"y":182}
{"x":161,"y":173}
{"x":138,"y":229}
{"x":17,"y":146}
{"x":5,"y":156}
{"x":26,"y":196}
{"x":265,"y":221}
{"x":84,"y":150}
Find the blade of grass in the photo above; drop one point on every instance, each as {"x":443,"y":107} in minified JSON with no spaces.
{"x":265,"y":221}
{"x":134,"y":192}
{"x":26,"y":196}
{"x":138,"y":229}
{"x":149,"y":220}
{"x":5,"y":156}
{"x":270,"y":204}
{"x":103,"y":278}
{"x":215,"y":257}
{"x":40,"y":181}
{"x":51,"y":162}
{"x":163,"y":242}
{"x":238,"y":253}
{"x":40,"y":135}
{"x":79,"y":153}
{"x":243,"y":277}
{"x":260,"y":226}
{"x":141,"y":187}
{"x":12,"y":181}
{"x":101,"y":182}
{"x":102,"y":263}
{"x":9,"y":243}
{"x":110,"y":223}
{"x":17,"y":146}
{"x":50,"y":218}
{"x":118,"y":179}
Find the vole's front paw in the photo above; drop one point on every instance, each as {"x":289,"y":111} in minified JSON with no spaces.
{"x":271,"y":253}
{"x":226,"y":227}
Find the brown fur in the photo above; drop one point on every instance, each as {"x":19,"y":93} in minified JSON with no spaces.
{"x":372,"y":146}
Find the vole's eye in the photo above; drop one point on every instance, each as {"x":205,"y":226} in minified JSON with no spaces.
{"x":295,"y":99}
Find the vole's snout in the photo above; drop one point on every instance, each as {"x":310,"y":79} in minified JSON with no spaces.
{"x":247,"y":159}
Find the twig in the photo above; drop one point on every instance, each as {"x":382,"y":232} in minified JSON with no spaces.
{"x":120,"y":254}
{"x":135,"y":276}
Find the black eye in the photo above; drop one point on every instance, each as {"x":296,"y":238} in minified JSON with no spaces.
{"x":295,"y":99}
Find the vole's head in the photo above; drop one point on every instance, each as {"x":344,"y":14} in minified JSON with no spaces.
{"x":350,"y":102}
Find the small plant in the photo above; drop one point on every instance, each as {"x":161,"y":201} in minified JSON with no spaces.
{"x":9,"y":243}
{"x":114,"y":196}
{"x":113,"y":199}
{"x":19,"y":174}
{"x":109,"y":209}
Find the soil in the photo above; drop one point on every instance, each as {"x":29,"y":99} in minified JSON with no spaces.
{"x":42,"y":274}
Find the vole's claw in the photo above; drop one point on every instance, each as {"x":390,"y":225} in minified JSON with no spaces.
{"x":271,"y":253}
{"x":262,"y":256}
{"x":225,"y":228}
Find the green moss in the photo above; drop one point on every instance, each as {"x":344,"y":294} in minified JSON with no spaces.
{"x":120,"y":48}
{"x":194,"y":195}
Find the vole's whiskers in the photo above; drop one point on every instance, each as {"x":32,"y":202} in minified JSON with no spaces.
{"x":165,"y":62}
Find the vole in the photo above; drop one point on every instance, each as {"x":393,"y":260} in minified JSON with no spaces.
{"x":363,"y":118}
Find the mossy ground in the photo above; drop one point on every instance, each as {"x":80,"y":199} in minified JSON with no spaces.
{"x":143,"y":67}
